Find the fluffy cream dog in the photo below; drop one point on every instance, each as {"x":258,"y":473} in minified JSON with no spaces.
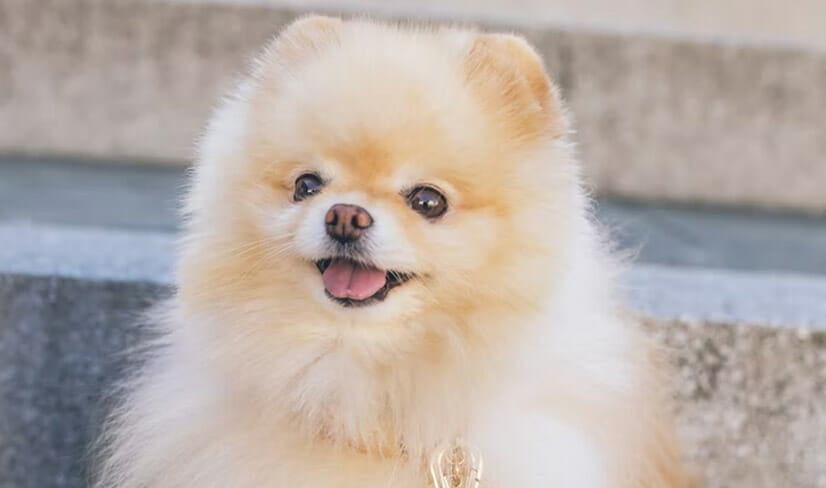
{"x":389,"y":256}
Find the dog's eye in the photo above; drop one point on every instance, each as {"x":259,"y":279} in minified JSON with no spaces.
{"x":427,"y":201}
{"x":307,"y":185}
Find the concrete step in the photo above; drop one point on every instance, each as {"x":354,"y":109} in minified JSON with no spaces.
{"x":658,"y":116}
{"x":747,"y":341}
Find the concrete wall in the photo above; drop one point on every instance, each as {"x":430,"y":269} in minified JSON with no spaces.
{"x":801,"y":23}
{"x":656,"y":117}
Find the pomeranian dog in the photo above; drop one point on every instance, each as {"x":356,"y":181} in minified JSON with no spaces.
{"x":389,"y":278}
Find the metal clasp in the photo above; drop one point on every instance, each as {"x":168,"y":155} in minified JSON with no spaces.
{"x":456,"y":465}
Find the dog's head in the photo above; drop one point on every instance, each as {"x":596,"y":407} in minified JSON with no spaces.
{"x":381,"y":179}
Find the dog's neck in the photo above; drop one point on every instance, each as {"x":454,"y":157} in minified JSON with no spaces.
{"x":402,"y":409}
{"x":396,"y":396}
{"x":395,"y":415}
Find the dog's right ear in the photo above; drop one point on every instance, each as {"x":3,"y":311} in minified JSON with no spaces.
{"x":301,"y":39}
{"x":509,"y":74}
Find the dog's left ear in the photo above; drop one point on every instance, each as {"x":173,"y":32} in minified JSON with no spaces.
{"x":507,"y":71}
{"x":306,"y":35}
{"x":299,"y":41}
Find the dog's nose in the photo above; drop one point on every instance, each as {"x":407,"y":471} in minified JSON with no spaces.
{"x":346,"y":223}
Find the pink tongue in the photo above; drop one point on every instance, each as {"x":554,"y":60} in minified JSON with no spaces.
{"x":344,"y":279}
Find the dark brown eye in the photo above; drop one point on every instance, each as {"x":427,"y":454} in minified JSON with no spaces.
{"x":306,"y":186}
{"x":427,"y":201}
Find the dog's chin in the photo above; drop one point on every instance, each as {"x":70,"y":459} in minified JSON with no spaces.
{"x":354,"y":284}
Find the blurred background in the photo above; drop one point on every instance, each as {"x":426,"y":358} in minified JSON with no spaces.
{"x":701,"y":125}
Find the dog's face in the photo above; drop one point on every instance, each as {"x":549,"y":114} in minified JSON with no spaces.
{"x":373,"y":177}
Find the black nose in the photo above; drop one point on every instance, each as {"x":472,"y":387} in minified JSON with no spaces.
{"x":346,"y":223}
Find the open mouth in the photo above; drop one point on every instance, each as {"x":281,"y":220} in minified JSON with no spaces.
{"x":356,"y":284}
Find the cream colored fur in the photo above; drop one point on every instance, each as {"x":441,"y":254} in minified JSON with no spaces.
{"x":510,"y":336}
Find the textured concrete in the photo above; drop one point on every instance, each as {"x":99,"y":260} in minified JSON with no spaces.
{"x":656,"y":117}
{"x":751,"y":401}
{"x":63,"y":344}
{"x":128,"y":78}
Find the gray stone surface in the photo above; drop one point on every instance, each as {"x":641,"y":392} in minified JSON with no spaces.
{"x":63,"y":344}
{"x":751,"y":402}
{"x":656,"y":117}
